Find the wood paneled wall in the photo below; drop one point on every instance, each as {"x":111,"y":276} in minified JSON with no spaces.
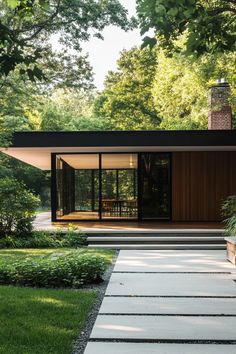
{"x":200,"y":181}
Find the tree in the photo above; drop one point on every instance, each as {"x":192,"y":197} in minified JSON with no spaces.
{"x":26,"y":27}
{"x":71,"y":109}
{"x":63,"y":70}
{"x":126,"y":102}
{"x":19,"y":101}
{"x":181,"y":85}
{"x":209,"y":26}
{"x":30,"y":72}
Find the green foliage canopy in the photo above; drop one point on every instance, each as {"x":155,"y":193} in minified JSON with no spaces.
{"x":70,"y":109}
{"x":181,"y":85}
{"x":210,"y":26}
{"x":151,"y":90}
{"x":126,"y":100}
{"x":26,"y":27}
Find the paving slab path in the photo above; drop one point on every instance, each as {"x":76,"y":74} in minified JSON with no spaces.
{"x":168,"y":302}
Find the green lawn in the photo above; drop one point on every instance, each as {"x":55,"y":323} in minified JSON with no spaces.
{"x":42,"y":321}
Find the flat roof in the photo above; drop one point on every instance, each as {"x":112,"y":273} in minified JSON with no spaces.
{"x":35,"y":148}
{"x":126,"y":138}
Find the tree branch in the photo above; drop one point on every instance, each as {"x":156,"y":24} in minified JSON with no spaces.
{"x":43,"y":24}
{"x":221,"y":10}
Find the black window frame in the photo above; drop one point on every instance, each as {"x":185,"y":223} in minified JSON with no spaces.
{"x":139,"y":188}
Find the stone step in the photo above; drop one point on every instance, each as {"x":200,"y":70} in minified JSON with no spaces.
{"x":157,"y":233}
{"x":171,"y":246}
{"x":155,"y":239}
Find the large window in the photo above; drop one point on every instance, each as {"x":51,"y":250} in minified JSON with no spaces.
{"x":77,"y":186}
{"x":96,"y":186}
{"x":87,"y":190}
{"x":155,"y":186}
{"x":119,"y":186}
{"x":110,"y":186}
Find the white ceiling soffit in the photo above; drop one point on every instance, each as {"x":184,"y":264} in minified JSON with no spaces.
{"x":119,"y":161}
{"x":83,"y":161}
{"x":41,"y":157}
{"x":109,"y":161}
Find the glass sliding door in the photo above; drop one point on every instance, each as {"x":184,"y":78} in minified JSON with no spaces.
{"x":155,"y":186}
{"x":77,"y":182}
{"x":87,"y":193}
{"x":119,"y":186}
{"x":113,"y":186}
{"x":65,"y":187}
{"x":59,"y":187}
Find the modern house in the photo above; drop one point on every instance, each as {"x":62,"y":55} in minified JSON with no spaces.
{"x":179,"y":176}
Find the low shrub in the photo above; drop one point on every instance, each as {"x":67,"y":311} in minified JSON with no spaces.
{"x":17,"y":208}
{"x":71,"y":270}
{"x":42,"y":239}
{"x":73,"y":237}
{"x":229,"y":211}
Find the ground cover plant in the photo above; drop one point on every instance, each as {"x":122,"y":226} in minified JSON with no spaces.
{"x":40,"y":321}
{"x":11,"y":255}
{"x":57,"y":269}
{"x":43,"y":239}
{"x":229,"y":211}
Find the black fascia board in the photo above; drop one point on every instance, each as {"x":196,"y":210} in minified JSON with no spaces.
{"x":125,"y":138}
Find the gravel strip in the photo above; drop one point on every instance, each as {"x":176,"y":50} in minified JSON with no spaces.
{"x":81,"y":342}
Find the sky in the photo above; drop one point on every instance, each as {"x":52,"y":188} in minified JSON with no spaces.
{"x":103,"y":54}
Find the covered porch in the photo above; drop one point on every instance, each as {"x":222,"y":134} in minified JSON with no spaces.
{"x":43,"y":222}
{"x":134,"y":179}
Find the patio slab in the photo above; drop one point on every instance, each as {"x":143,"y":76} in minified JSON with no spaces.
{"x":181,"y":306}
{"x":153,"y":348}
{"x":166,"y":284}
{"x":164,"y":328}
{"x":173,"y":261}
{"x":168,"y":296}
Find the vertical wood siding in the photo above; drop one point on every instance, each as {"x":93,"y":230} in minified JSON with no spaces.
{"x":200,"y":182}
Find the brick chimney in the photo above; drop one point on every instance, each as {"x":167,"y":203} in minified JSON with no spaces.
{"x":220,"y":115}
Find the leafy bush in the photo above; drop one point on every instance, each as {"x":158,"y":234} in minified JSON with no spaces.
{"x":17,"y":208}
{"x":73,"y":237}
{"x":229,"y":210}
{"x":42,"y":239}
{"x":71,"y":270}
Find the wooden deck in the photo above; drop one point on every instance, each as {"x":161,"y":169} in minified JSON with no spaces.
{"x":43,"y":221}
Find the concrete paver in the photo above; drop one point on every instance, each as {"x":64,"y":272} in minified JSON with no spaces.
{"x":172,"y":261}
{"x":160,"y":348}
{"x":165,"y":327}
{"x":171,"y":284}
{"x":167,"y":296}
{"x":134,"y":305}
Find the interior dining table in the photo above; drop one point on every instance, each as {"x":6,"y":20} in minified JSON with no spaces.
{"x":118,"y":207}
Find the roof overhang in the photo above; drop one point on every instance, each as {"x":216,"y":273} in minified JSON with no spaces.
{"x":35,"y":148}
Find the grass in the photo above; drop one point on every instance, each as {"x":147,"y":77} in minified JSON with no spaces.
{"x":41,"y":321}
{"x":12,"y":255}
